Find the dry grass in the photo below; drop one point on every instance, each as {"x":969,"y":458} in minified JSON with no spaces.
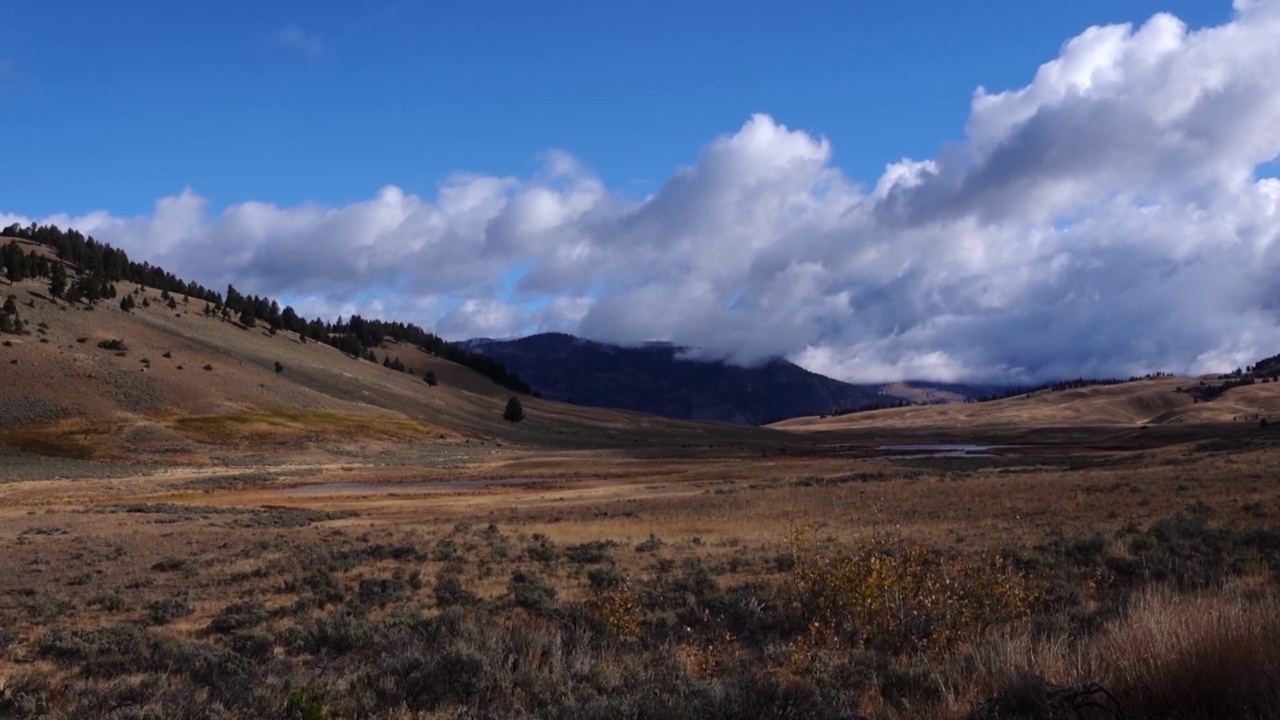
{"x":1212,"y":655}
{"x":1203,"y":656}
{"x":269,"y":428}
{"x":553,"y":627}
{"x":655,"y":577}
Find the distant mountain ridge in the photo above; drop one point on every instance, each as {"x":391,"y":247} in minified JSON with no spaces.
{"x":655,"y":378}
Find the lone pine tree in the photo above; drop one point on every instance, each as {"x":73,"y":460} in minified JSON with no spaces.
{"x":514,"y":412}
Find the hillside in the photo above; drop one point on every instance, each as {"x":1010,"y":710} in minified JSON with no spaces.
{"x":1142,"y":402}
{"x":183,"y":386}
{"x":52,"y":254}
{"x":185,"y":382}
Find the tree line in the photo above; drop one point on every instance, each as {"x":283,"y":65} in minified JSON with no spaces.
{"x":101,"y":265}
{"x":1057,"y":386}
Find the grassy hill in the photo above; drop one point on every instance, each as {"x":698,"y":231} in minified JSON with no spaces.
{"x":171,"y":381}
{"x":1161,"y":401}
{"x":96,"y":382}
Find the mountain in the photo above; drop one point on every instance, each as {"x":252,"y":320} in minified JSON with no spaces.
{"x":656,"y":378}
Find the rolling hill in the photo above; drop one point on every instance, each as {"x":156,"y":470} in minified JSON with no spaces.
{"x":1161,"y":401}
{"x":176,"y":384}
{"x":169,"y":380}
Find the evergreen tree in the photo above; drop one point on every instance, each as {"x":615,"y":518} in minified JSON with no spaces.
{"x":235,"y":300}
{"x":430,"y":377}
{"x":273,"y":316}
{"x":57,"y":280}
{"x":9,"y":320}
{"x":15,"y":263}
{"x":514,"y":412}
{"x":290,"y":321}
{"x":246,"y":317}
{"x":39,"y":265}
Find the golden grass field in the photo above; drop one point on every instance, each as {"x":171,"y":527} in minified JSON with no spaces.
{"x":340,"y":540}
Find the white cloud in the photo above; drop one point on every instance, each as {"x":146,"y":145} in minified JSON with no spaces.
{"x":311,"y":45}
{"x":1105,"y":219}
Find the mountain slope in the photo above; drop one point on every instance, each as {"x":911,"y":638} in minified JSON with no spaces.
{"x":181,"y":386}
{"x":654,"y":379}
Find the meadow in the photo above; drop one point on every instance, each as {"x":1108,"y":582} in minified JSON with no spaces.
{"x":204,"y":519}
{"x":1095,"y":574}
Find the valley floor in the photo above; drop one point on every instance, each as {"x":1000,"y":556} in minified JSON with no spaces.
{"x":811,"y":577}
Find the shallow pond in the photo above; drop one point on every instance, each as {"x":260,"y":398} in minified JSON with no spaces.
{"x":942,"y":450}
{"x":407,"y":488}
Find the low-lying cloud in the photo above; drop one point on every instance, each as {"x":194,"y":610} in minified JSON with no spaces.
{"x":1107,"y":219}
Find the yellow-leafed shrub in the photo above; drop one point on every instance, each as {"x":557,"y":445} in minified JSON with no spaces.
{"x":901,"y":598}
{"x":618,"y":609}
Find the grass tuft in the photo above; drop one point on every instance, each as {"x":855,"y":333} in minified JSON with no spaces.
{"x":1195,"y":656}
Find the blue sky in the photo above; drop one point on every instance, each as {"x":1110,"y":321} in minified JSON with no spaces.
{"x":995,"y":191}
{"x":113,"y":105}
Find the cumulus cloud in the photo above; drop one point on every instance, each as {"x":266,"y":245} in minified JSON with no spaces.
{"x":295,"y":38}
{"x":1108,"y":218}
